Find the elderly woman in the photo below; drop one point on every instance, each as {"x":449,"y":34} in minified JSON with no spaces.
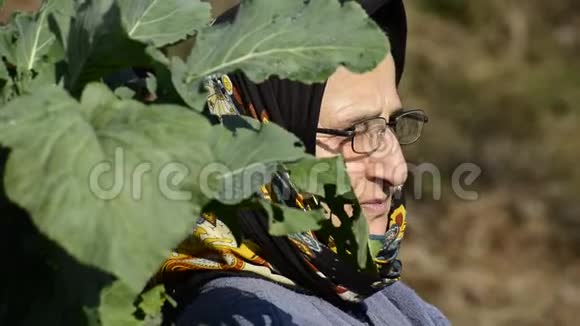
{"x":299,"y":280}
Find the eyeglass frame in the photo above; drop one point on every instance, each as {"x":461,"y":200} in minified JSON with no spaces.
{"x":350,"y":132}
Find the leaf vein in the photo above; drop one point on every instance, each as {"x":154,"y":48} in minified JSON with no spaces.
{"x":36,"y":40}
{"x":153,"y":21}
{"x":145,"y":13}
{"x":251,"y":56}
{"x":241,"y":39}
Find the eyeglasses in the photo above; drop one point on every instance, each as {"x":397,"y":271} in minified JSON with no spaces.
{"x":369,"y":135}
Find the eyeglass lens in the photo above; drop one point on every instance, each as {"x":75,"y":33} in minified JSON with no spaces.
{"x":370,"y":134}
{"x":409,"y":127}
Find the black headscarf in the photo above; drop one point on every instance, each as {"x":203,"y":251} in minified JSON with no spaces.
{"x":296,"y":107}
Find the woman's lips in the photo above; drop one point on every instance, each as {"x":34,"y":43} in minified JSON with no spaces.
{"x":376,"y":207}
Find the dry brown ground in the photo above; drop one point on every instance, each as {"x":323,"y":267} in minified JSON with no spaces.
{"x":11,"y":5}
{"x":483,"y":263}
{"x":501,"y":91}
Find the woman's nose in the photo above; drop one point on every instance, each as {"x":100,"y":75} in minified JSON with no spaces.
{"x":387,"y":163}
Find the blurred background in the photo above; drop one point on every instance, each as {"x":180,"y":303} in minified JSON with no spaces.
{"x":500,"y":80}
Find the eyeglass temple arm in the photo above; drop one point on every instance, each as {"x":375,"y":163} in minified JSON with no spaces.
{"x":344,"y":133}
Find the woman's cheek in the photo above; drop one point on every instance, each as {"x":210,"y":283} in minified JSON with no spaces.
{"x":356,"y":172}
{"x":355,"y":165}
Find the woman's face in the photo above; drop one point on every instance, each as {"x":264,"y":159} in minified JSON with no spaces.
{"x":349,"y":98}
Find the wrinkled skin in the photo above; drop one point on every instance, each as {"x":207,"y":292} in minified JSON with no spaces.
{"x":350,"y":97}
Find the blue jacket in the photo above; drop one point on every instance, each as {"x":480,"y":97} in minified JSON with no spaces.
{"x":250,"y":301}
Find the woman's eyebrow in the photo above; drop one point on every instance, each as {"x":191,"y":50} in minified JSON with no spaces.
{"x":356,"y":117}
